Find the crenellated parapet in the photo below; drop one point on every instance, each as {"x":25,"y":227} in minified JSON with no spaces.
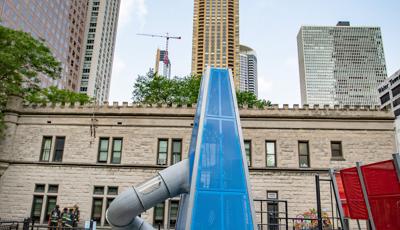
{"x":16,"y":105}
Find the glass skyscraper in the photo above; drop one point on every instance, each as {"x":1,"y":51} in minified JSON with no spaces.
{"x":60,"y":23}
{"x":340,"y":65}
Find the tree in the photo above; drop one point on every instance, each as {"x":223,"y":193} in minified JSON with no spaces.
{"x":22,"y":59}
{"x":56,"y":95}
{"x":154,"y":89}
{"x":249,"y":99}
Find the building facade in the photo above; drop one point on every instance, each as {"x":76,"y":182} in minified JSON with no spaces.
{"x":389,"y":96}
{"x":389,"y":93}
{"x":163,"y":63}
{"x":340,"y":65}
{"x":58,"y":154}
{"x":77,"y":22}
{"x":216,"y":36}
{"x":248,"y":70}
{"x":99,"y":45}
{"x":60,"y":23}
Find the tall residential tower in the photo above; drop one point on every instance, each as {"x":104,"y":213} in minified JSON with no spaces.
{"x":340,"y":64}
{"x":216,"y":36}
{"x":248,"y":70}
{"x":100,"y":34}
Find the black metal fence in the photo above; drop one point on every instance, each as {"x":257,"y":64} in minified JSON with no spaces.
{"x":25,"y":224}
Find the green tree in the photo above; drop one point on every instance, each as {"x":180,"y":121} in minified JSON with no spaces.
{"x":154,"y":89}
{"x":22,"y":58}
{"x":54,"y":95}
{"x":249,"y":99}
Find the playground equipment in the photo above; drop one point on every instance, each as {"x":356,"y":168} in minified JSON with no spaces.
{"x":370,"y":192}
{"x":213,"y":182}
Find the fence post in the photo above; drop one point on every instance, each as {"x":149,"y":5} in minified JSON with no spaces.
{"x":337,"y":198}
{"x":396,"y":161}
{"x":319,"y":212}
{"x":364,"y":191}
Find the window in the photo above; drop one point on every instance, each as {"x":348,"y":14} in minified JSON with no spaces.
{"x":336,"y":147}
{"x":173,"y":213}
{"x":176,"y":151}
{"x":117,"y":150}
{"x":37,"y":207}
{"x":98,"y":190}
{"x":270,"y":149}
{"x":59,"y":149}
{"x":41,"y":198}
{"x":53,"y":188}
{"x":112,"y":191}
{"x":109,"y":200}
{"x":39,"y":187}
{"x":385,"y":98}
{"x":51,"y":204}
{"x":97,"y":208}
{"x":103,"y":150}
{"x":304,"y":157}
{"x":46,"y":149}
{"x":100,"y":198}
{"x":162,"y":151}
{"x":159,"y":214}
{"x":247,"y":149}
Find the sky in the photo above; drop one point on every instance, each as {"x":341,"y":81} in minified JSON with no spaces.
{"x":269,"y":27}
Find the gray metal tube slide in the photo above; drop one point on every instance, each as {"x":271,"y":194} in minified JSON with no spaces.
{"x":169,"y":183}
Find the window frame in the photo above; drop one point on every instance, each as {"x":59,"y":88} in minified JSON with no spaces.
{"x":339,"y":157}
{"x":174,"y":153}
{"x":44,"y":138}
{"x":158,"y":151}
{"x":47,"y":214}
{"x":308,"y":153}
{"x":93,"y":208}
{"x":248,"y":161}
{"x":55,"y":148}
{"x":99,"y":149}
{"x":113,"y":151}
{"x":275,"y":154}
{"x":169,"y":212}
{"x":163,"y":214}
{"x":41,"y":207}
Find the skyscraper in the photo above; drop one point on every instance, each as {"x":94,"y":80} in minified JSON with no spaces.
{"x":248,"y":70}
{"x":163,"y":64}
{"x":216,"y":36}
{"x":340,"y":64}
{"x":60,"y":23}
{"x":99,"y":44}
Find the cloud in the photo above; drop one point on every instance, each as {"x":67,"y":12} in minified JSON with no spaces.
{"x":131,"y":10}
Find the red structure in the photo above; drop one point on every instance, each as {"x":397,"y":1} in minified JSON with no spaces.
{"x":372,"y":192}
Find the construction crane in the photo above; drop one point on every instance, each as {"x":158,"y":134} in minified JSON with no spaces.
{"x":167,"y":37}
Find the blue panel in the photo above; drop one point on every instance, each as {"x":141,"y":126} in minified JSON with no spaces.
{"x":233,"y":165}
{"x":226,"y":92}
{"x":207,"y":214}
{"x":236,"y":219}
{"x":221,"y":199}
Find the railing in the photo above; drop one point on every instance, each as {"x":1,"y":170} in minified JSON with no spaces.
{"x":16,"y":225}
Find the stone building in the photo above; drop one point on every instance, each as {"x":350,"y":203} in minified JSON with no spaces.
{"x":87,"y":155}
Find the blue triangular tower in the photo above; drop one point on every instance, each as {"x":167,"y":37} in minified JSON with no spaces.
{"x":219,"y":196}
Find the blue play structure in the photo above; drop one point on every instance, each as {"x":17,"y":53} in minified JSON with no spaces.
{"x":214,"y":183}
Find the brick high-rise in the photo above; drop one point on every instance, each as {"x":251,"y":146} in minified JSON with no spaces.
{"x":216,"y":36}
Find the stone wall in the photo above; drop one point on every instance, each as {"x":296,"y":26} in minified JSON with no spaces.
{"x":366,"y":134}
